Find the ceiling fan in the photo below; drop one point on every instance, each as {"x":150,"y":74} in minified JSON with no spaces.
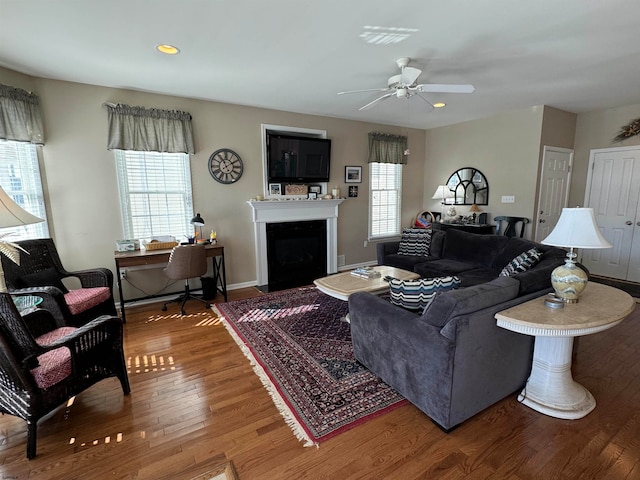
{"x":405,"y":86}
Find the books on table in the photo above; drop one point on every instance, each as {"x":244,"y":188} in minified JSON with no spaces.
{"x":365,"y":272}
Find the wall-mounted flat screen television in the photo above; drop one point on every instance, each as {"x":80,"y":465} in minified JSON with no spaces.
{"x":293,"y":158}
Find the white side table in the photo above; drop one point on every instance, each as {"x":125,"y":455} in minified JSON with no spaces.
{"x":551,"y":389}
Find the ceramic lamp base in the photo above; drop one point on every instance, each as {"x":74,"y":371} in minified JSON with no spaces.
{"x":569,"y":281}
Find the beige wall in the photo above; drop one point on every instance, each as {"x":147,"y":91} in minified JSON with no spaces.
{"x":505,"y":148}
{"x":81,"y":185}
{"x":597,"y":129}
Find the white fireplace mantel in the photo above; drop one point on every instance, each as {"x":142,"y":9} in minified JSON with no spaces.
{"x":273,"y":211}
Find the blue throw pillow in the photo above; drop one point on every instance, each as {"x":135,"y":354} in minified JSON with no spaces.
{"x":415,"y":242}
{"x":522,"y":262}
{"x":418,"y":294}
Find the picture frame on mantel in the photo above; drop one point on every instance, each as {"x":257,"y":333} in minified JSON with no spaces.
{"x":352,"y":174}
{"x":275,"y":189}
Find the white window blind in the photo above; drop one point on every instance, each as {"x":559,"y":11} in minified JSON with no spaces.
{"x":155,"y":194}
{"x":385,"y":199}
{"x":20,"y":179}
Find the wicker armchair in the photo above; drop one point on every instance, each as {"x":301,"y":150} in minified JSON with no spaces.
{"x":43,"y":365}
{"x":41,"y":272}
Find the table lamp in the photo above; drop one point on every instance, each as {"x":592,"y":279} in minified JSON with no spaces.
{"x":474,"y":211}
{"x":442,"y":193}
{"x":199,"y":222}
{"x":11,"y":215}
{"x":576,"y":228}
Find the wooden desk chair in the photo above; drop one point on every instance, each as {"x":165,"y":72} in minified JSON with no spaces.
{"x":509,"y":226}
{"x":186,"y":262}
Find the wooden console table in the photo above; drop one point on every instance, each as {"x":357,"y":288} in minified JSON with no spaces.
{"x":153,"y":257}
{"x":551,"y":389}
{"x":480,"y":228}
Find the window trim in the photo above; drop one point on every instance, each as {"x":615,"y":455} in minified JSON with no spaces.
{"x":27,"y":184}
{"x":125,"y":192}
{"x":398,"y":210}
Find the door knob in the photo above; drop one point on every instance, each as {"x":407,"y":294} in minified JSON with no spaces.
{"x":542,"y":221}
{"x":628,"y":222}
{"x":638,"y":224}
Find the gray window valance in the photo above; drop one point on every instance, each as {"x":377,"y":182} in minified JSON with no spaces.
{"x":149,"y":130}
{"x":20,"y":117}
{"x":387,"y":148}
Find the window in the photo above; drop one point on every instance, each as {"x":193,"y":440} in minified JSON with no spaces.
{"x":155,"y":193}
{"x":20,"y":179}
{"x":385,"y":199}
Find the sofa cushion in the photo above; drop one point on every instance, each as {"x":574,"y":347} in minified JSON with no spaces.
{"x":447,"y":305}
{"x":523,"y":262}
{"x":514,"y":247}
{"x":472,"y":248}
{"x":415,"y":242}
{"x":44,"y":278}
{"x":417,"y":294}
{"x":405,"y":262}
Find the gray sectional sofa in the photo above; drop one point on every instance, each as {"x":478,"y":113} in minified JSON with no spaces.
{"x":452,"y":361}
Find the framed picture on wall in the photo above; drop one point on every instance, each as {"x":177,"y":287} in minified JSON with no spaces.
{"x":317,"y":189}
{"x":352,"y":174}
{"x":353,"y":191}
{"x":275,"y":189}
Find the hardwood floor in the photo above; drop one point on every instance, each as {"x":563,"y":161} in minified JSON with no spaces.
{"x":196,"y":403}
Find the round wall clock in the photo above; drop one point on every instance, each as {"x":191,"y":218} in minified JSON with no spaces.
{"x":225,"y":166}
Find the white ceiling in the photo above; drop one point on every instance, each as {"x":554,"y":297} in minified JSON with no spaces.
{"x":295,"y":55}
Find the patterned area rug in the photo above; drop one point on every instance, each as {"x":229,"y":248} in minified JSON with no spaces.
{"x":302,"y":352}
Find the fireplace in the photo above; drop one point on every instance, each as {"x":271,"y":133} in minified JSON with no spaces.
{"x":294,"y":212}
{"x":296,"y":253}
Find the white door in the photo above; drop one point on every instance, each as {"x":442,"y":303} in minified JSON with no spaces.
{"x":555,"y":178}
{"x":613,"y":191}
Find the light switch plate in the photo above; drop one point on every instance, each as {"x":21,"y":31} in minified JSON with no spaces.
{"x":508,"y":199}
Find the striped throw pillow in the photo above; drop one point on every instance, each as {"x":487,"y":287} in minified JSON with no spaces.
{"x":522,"y":262}
{"x":415,"y":242}
{"x":418,"y":294}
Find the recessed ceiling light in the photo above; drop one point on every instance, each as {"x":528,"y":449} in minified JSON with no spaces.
{"x":439,"y":105}
{"x":167,"y":49}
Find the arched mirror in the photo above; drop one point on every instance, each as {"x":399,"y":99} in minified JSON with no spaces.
{"x":469,"y":186}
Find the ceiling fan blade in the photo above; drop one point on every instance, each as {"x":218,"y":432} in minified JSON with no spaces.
{"x":409,"y":75}
{"x":379,"y":99}
{"x":444,"y":88}
{"x":367,"y":90}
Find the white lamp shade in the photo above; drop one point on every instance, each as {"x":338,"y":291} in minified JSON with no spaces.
{"x":577,"y":228}
{"x":12,"y":215}
{"x":442,"y":192}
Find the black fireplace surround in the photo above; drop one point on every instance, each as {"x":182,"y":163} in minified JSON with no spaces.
{"x":296,"y":253}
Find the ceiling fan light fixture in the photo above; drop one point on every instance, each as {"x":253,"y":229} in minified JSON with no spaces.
{"x":167,"y":49}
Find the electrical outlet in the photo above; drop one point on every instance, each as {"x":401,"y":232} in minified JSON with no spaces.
{"x":508,"y":199}
{"x":123,"y":274}
{"x":366,"y":244}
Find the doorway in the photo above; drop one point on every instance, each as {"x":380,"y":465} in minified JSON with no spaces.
{"x":613,"y":191}
{"x":555,"y":179}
